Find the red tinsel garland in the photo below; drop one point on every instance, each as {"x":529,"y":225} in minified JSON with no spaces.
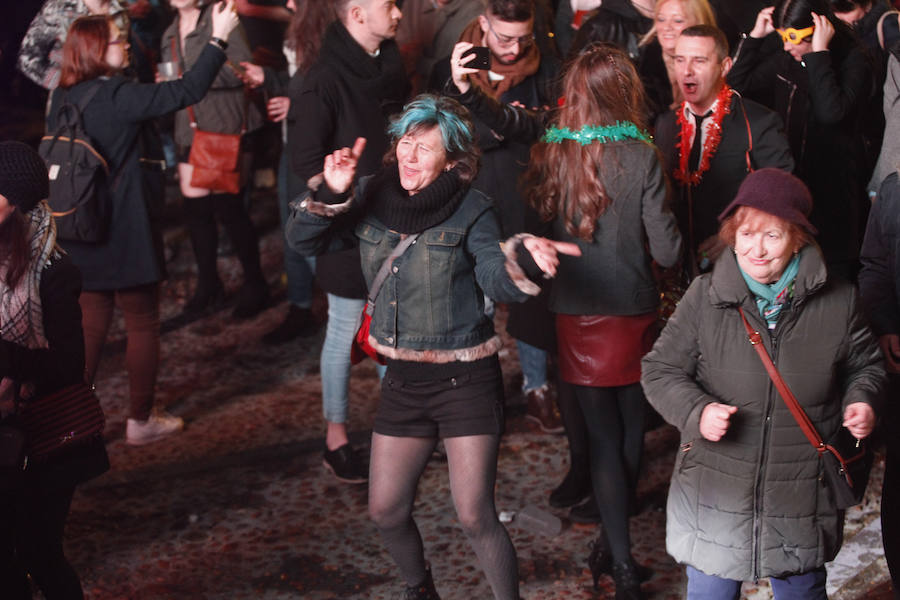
{"x":713,"y":137}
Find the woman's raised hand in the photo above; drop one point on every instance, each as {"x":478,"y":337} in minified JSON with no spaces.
{"x":859,"y":419}
{"x":224,"y":19}
{"x":822,"y":34}
{"x":546,"y":252}
{"x":763,"y":26}
{"x":458,"y":71}
{"x":715,"y":420}
{"x":340,"y":166}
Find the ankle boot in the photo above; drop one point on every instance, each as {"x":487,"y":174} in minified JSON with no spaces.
{"x":600,"y":561}
{"x":206,"y":296}
{"x":628,"y":584}
{"x":423,"y":591}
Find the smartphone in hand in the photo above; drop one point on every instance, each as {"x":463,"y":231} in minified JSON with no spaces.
{"x":482,"y":58}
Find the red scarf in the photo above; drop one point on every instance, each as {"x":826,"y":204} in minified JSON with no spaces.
{"x":713,"y":137}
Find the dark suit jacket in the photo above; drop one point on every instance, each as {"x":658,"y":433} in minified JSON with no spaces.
{"x":698,"y":207}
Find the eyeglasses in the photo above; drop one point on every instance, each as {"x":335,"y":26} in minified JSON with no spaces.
{"x":506,"y":41}
{"x":122,"y":39}
{"x":795,"y":36}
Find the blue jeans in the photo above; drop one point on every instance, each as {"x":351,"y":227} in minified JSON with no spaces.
{"x":808,"y":586}
{"x":299,"y":269}
{"x":334,"y":363}
{"x":533,"y":362}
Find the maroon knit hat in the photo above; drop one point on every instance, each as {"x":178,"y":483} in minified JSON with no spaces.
{"x":775,"y":192}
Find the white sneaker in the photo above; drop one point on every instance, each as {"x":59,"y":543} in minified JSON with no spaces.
{"x":158,"y":426}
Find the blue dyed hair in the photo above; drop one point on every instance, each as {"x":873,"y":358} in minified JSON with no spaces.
{"x":451,"y":119}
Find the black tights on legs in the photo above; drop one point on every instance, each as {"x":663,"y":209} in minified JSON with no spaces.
{"x":395,"y":467}
{"x":573,"y":421}
{"x":472,"y":461}
{"x":615,"y":421}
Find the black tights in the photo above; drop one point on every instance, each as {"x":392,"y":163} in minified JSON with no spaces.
{"x":229,"y":208}
{"x":615,"y":421}
{"x":396,"y":465}
{"x":31,"y":541}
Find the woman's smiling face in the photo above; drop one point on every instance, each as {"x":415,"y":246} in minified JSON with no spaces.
{"x":421,"y":158}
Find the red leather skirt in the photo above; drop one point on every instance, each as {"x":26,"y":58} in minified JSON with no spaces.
{"x":603,"y":350}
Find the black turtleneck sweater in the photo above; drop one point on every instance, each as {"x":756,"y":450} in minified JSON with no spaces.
{"x":346,"y":94}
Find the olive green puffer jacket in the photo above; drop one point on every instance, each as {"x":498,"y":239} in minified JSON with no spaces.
{"x":754,"y":504}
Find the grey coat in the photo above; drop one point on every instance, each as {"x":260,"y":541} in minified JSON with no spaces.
{"x":222,"y":108}
{"x":613,"y":276}
{"x":754,"y":504}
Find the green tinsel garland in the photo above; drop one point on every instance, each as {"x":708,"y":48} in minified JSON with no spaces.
{"x":589,"y":133}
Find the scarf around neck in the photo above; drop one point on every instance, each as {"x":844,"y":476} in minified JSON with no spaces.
{"x":513,"y":74}
{"x":772,"y":297}
{"x":21,"y":313}
{"x":393,"y":206}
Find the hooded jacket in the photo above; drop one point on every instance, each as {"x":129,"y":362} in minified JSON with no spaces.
{"x":755,"y":504}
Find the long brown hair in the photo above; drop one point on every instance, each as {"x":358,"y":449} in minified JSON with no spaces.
{"x":600,"y":87}
{"x":307,"y":28}
{"x":84,"y":53}
{"x":14,"y":247}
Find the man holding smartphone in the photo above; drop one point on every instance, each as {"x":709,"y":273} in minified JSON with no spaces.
{"x":520,"y":69}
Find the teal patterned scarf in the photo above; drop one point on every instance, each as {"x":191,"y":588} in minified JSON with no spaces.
{"x":772,"y":297}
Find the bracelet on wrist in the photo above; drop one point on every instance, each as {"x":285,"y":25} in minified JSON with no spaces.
{"x":219,"y":43}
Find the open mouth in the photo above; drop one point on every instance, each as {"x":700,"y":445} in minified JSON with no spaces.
{"x":690,"y":87}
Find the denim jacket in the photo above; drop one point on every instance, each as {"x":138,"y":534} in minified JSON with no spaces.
{"x":431,"y":306}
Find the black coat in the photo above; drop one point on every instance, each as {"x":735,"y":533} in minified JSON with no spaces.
{"x":114,"y":119}
{"x":822,"y":102}
{"x":728,"y":166}
{"x":53,"y":368}
{"x":345,"y":95}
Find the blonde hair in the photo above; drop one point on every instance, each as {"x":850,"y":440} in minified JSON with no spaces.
{"x":700,"y":10}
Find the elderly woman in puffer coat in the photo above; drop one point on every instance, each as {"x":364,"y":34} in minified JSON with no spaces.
{"x":748,"y":498}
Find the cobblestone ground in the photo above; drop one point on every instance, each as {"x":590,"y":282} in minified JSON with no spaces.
{"x":239,"y":505}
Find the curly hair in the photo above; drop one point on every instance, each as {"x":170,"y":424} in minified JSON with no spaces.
{"x":601,"y":87}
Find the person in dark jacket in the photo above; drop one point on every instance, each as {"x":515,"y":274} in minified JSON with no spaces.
{"x":357,"y":82}
{"x":125,"y":269}
{"x":879,"y":287}
{"x":820,"y":85}
{"x":225,"y":108}
{"x":747,"y":498}
{"x":522,"y":70}
{"x":735,"y":136}
{"x":443,"y":379}
{"x":41,"y":351}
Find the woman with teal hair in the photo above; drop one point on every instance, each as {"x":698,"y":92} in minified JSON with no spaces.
{"x":443,"y":377}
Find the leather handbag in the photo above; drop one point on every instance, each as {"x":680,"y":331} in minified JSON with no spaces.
{"x":361,"y":347}
{"x":215,"y":156}
{"x":64,"y":419}
{"x":847,"y":461}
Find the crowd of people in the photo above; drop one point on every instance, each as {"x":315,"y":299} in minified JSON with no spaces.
{"x":640,"y":183}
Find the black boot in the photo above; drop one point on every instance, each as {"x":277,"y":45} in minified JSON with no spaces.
{"x":209,"y":293}
{"x":423,"y":591}
{"x":600,"y":561}
{"x":628,"y":583}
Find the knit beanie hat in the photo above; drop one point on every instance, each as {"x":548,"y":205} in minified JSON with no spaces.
{"x":775,"y":192}
{"x":23,"y":175}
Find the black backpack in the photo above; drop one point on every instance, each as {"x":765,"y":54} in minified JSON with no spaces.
{"x":79,"y":175}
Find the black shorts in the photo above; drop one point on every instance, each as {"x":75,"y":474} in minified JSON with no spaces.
{"x":471,"y":403}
